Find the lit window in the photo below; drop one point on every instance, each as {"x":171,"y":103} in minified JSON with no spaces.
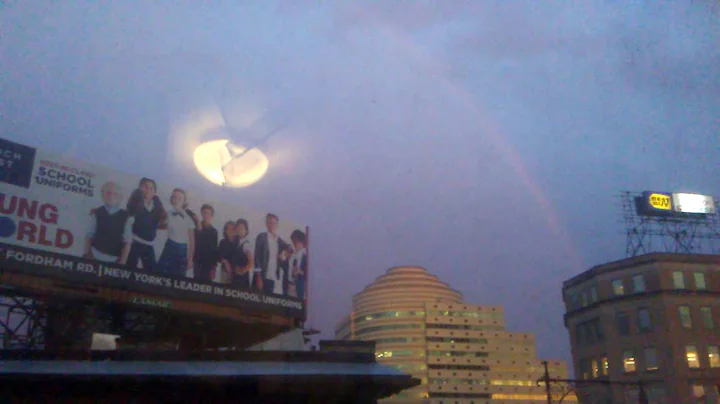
{"x":594,"y":368}
{"x":638,"y":282}
{"x":714,"y":356}
{"x":644,"y":321}
{"x":699,"y":281}
{"x":623,"y":323}
{"x":679,"y":280}
{"x":629,"y":361}
{"x":618,"y":287}
{"x":604,"y":365}
{"x":651,"y":359}
{"x":685,"y":318}
{"x":692,"y":357}
{"x":698,"y":391}
{"x":707,"y":317}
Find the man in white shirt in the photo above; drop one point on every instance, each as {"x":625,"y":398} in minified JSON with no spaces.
{"x":270,"y":258}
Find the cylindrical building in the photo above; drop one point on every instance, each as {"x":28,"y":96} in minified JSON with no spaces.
{"x":461,"y":352}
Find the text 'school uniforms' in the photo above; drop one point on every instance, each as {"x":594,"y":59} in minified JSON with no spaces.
{"x":298,"y":280}
{"x":206,"y":252}
{"x":110,"y":228}
{"x":241,"y":281}
{"x":147,"y":218}
{"x":173,"y":260}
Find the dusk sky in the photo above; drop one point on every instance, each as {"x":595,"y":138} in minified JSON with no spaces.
{"x":483,"y":140}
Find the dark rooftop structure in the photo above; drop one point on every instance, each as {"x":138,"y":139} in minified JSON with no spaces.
{"x":200,"y":377}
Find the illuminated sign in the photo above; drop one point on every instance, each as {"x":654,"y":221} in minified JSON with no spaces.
{"x":694,"y":203}
{"x":652,"y":203}
{"x":660,"y":201}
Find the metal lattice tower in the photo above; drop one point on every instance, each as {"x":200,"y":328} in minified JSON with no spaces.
{"x":698,"y":234}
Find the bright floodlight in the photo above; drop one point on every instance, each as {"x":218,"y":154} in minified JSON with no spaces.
{"x":214,"y":162}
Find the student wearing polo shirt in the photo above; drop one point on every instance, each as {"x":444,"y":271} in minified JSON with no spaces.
{"x":148,"y":216}
{"x":110,"y":233}
{"x":177,"y":256}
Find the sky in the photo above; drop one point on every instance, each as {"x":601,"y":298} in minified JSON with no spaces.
{"x":484,"y":140}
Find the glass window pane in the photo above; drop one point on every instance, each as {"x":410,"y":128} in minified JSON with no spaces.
{"x":594,"y":368}
{"x":699,"y":281}
{"x":679,"y":280}
{"x":623,"y":323}
{"x":638,"y":283}
{"x":707,"y":317}
{"x":629,"y":361}
{"x":714,"y":356}
{"x":651,"y":359}
{"x":685,"y":319}
{"x":584,"y":298}
{"x":618,"y":287}
{"x":605,"y":365}
{"x":692,"y":357}
{"x":644,"y":321}
{"x":584,"y":369}
{"x":593,"y":294}
{"x":698,"y":391}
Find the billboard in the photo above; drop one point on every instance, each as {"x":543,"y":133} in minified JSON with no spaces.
{"x":78,"y":222}
{"x":654,"y":204}
{"x":694,"y":203}
{"x":674,"y":204}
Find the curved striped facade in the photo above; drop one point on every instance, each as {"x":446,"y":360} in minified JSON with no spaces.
{"x":461,"y":352}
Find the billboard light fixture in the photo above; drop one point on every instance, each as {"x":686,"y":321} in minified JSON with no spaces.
{"x":230,"y":164}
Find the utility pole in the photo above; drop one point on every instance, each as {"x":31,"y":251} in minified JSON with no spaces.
{"x":546,"y":379}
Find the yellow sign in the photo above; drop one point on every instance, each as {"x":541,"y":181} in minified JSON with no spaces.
{"x":660,"y":201}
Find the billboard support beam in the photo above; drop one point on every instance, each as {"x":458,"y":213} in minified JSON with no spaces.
{"x":22,"y":324}
{"x":679,"y":233}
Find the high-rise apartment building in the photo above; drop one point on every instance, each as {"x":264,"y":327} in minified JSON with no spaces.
{"x":461,"y":352}
{"x":651,"y":318}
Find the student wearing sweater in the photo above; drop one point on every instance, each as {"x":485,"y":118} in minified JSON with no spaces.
{"x":148,"y":216}
{"x":110,"y":232}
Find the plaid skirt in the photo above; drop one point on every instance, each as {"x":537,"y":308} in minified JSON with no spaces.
{"x":173,"y":260}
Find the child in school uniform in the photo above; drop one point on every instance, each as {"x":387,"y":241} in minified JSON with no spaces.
{"x":110,"y":233}
{"x":298,"y":265}
{"x":177,"y":256}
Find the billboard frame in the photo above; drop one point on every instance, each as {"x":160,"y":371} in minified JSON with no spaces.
{"x":670,"y":232}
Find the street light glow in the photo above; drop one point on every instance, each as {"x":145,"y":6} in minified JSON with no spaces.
{"x":213,"y":161}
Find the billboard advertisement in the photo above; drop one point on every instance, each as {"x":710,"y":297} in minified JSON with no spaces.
{"x":654,"y":204}
{"x":69,"y":220}
{"x":694,"y":203}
